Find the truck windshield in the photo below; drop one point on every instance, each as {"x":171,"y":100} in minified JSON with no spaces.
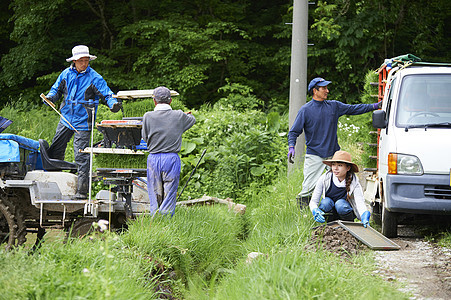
{"x":424,"y":100}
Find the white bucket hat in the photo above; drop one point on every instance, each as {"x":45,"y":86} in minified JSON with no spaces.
{"x":79,"y":52}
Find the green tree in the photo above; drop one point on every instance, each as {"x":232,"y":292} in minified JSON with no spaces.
{"x":351,"y":37}
{"x":198,"y":47}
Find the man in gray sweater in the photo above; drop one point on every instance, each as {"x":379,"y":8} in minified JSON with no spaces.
{"x":162,"y":130}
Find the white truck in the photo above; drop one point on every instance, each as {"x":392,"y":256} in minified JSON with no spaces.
{"x":413,"y":178}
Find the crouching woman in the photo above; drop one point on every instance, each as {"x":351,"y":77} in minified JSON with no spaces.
{"x":341,"y":192}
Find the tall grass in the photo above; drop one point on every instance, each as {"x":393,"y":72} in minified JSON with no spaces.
{"x":275,"y":218}
{"x":196,"y":241}
{"x":84,"y":269}
{"x":445,"y":240}
{"x":287,"y":269}
{"x":201,"y":251}
{"x":294,"y":273}
{"x":34,"y":123}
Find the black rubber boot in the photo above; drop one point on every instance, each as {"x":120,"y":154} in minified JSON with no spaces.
{"x":82,"y":188}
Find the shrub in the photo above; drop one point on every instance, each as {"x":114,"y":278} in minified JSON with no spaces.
{"x":242,"y":148}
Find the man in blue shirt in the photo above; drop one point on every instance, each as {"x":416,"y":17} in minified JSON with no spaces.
{"x":318,"y":119}
{"x":81,"y":88}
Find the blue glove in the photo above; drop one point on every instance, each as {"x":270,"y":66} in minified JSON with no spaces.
{"x":377,"y":105}
{"x":366,"y":218}
{"x":291,"y":154}
{"x":318,"y":215}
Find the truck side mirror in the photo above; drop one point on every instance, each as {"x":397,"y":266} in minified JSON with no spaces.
{"x":379,"y":119}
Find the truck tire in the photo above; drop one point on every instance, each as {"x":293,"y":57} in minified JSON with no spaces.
{"x":389,"y":223}
{"x":376,"y":213}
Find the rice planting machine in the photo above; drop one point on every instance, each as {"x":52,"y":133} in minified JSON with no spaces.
{"x":37,"y":192}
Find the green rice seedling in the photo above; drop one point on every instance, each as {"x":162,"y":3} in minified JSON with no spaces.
{"x":121,"y":161}
{"x":196,"y":241}
{"x":138,"y":107}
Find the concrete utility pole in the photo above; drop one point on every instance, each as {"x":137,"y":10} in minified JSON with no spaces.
{"x":298,"y":73}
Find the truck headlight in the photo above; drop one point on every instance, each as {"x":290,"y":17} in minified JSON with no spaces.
{"x":404,"y":164}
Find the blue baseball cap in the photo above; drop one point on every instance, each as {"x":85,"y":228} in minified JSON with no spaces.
{"x":317,"y":81}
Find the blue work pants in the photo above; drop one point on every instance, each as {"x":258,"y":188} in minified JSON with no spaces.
{"x":341,"y":207}
{"x":163,"y":175}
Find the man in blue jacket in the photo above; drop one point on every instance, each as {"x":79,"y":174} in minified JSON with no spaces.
{"x":81,"y":88}
{"x":319,"y":120}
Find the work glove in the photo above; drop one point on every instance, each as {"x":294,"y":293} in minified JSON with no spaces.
{"x":49,"y":103}
{"x":291,"y":154}
{"x":318,"y":215}
{"x":366,"y":218}
{"x":116,"y":107}
{"x":377,"y":105}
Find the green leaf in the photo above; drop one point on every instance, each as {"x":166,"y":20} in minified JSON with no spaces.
{"x":187,"y":147}
{"x":258,"y":171}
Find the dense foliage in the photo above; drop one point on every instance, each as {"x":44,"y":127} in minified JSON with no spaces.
{"x":245,"y":147}
{"x":198,"y":47}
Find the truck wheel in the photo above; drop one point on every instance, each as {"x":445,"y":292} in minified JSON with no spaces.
{"x":376,"y":213}
{"x":389,"y":223}
{"x":8,"y":227}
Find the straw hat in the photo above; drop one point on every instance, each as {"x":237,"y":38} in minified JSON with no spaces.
{"x":79,"y":52}
{"x":342,"y":156}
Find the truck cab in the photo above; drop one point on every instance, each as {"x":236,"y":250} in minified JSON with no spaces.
{"x":414,"y":146}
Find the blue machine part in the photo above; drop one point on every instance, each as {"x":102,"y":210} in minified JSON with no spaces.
{"x":9,"y":151}
{"x":142,"y":145}
{"x":4,"y":122}
{"x":23,"y":142}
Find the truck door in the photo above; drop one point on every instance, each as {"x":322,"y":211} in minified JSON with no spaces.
{"x":386,"y":137}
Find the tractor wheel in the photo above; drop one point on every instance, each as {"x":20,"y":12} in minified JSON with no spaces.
{"x":389,"y":223}
{"x":81,"y":227}
{"x":21,"y":231}
{"x":8,"y":226}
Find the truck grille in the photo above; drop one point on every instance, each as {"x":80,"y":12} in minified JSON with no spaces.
{"x":438,"y":191}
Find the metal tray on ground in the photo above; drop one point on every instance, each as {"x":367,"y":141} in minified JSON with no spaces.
{"x":369,"y":236}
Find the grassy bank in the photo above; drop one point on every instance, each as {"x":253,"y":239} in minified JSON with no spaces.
{"x":286,"y":269}
{"x":200,"y":253}
{"x":85,"y":269}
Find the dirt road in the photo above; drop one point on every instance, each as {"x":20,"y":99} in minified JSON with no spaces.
{"x":421,"y":267}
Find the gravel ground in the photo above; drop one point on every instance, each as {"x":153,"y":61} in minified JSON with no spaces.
{"x":423,"y":269}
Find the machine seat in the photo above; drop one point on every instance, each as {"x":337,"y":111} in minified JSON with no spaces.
{"x":51,"y":164}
